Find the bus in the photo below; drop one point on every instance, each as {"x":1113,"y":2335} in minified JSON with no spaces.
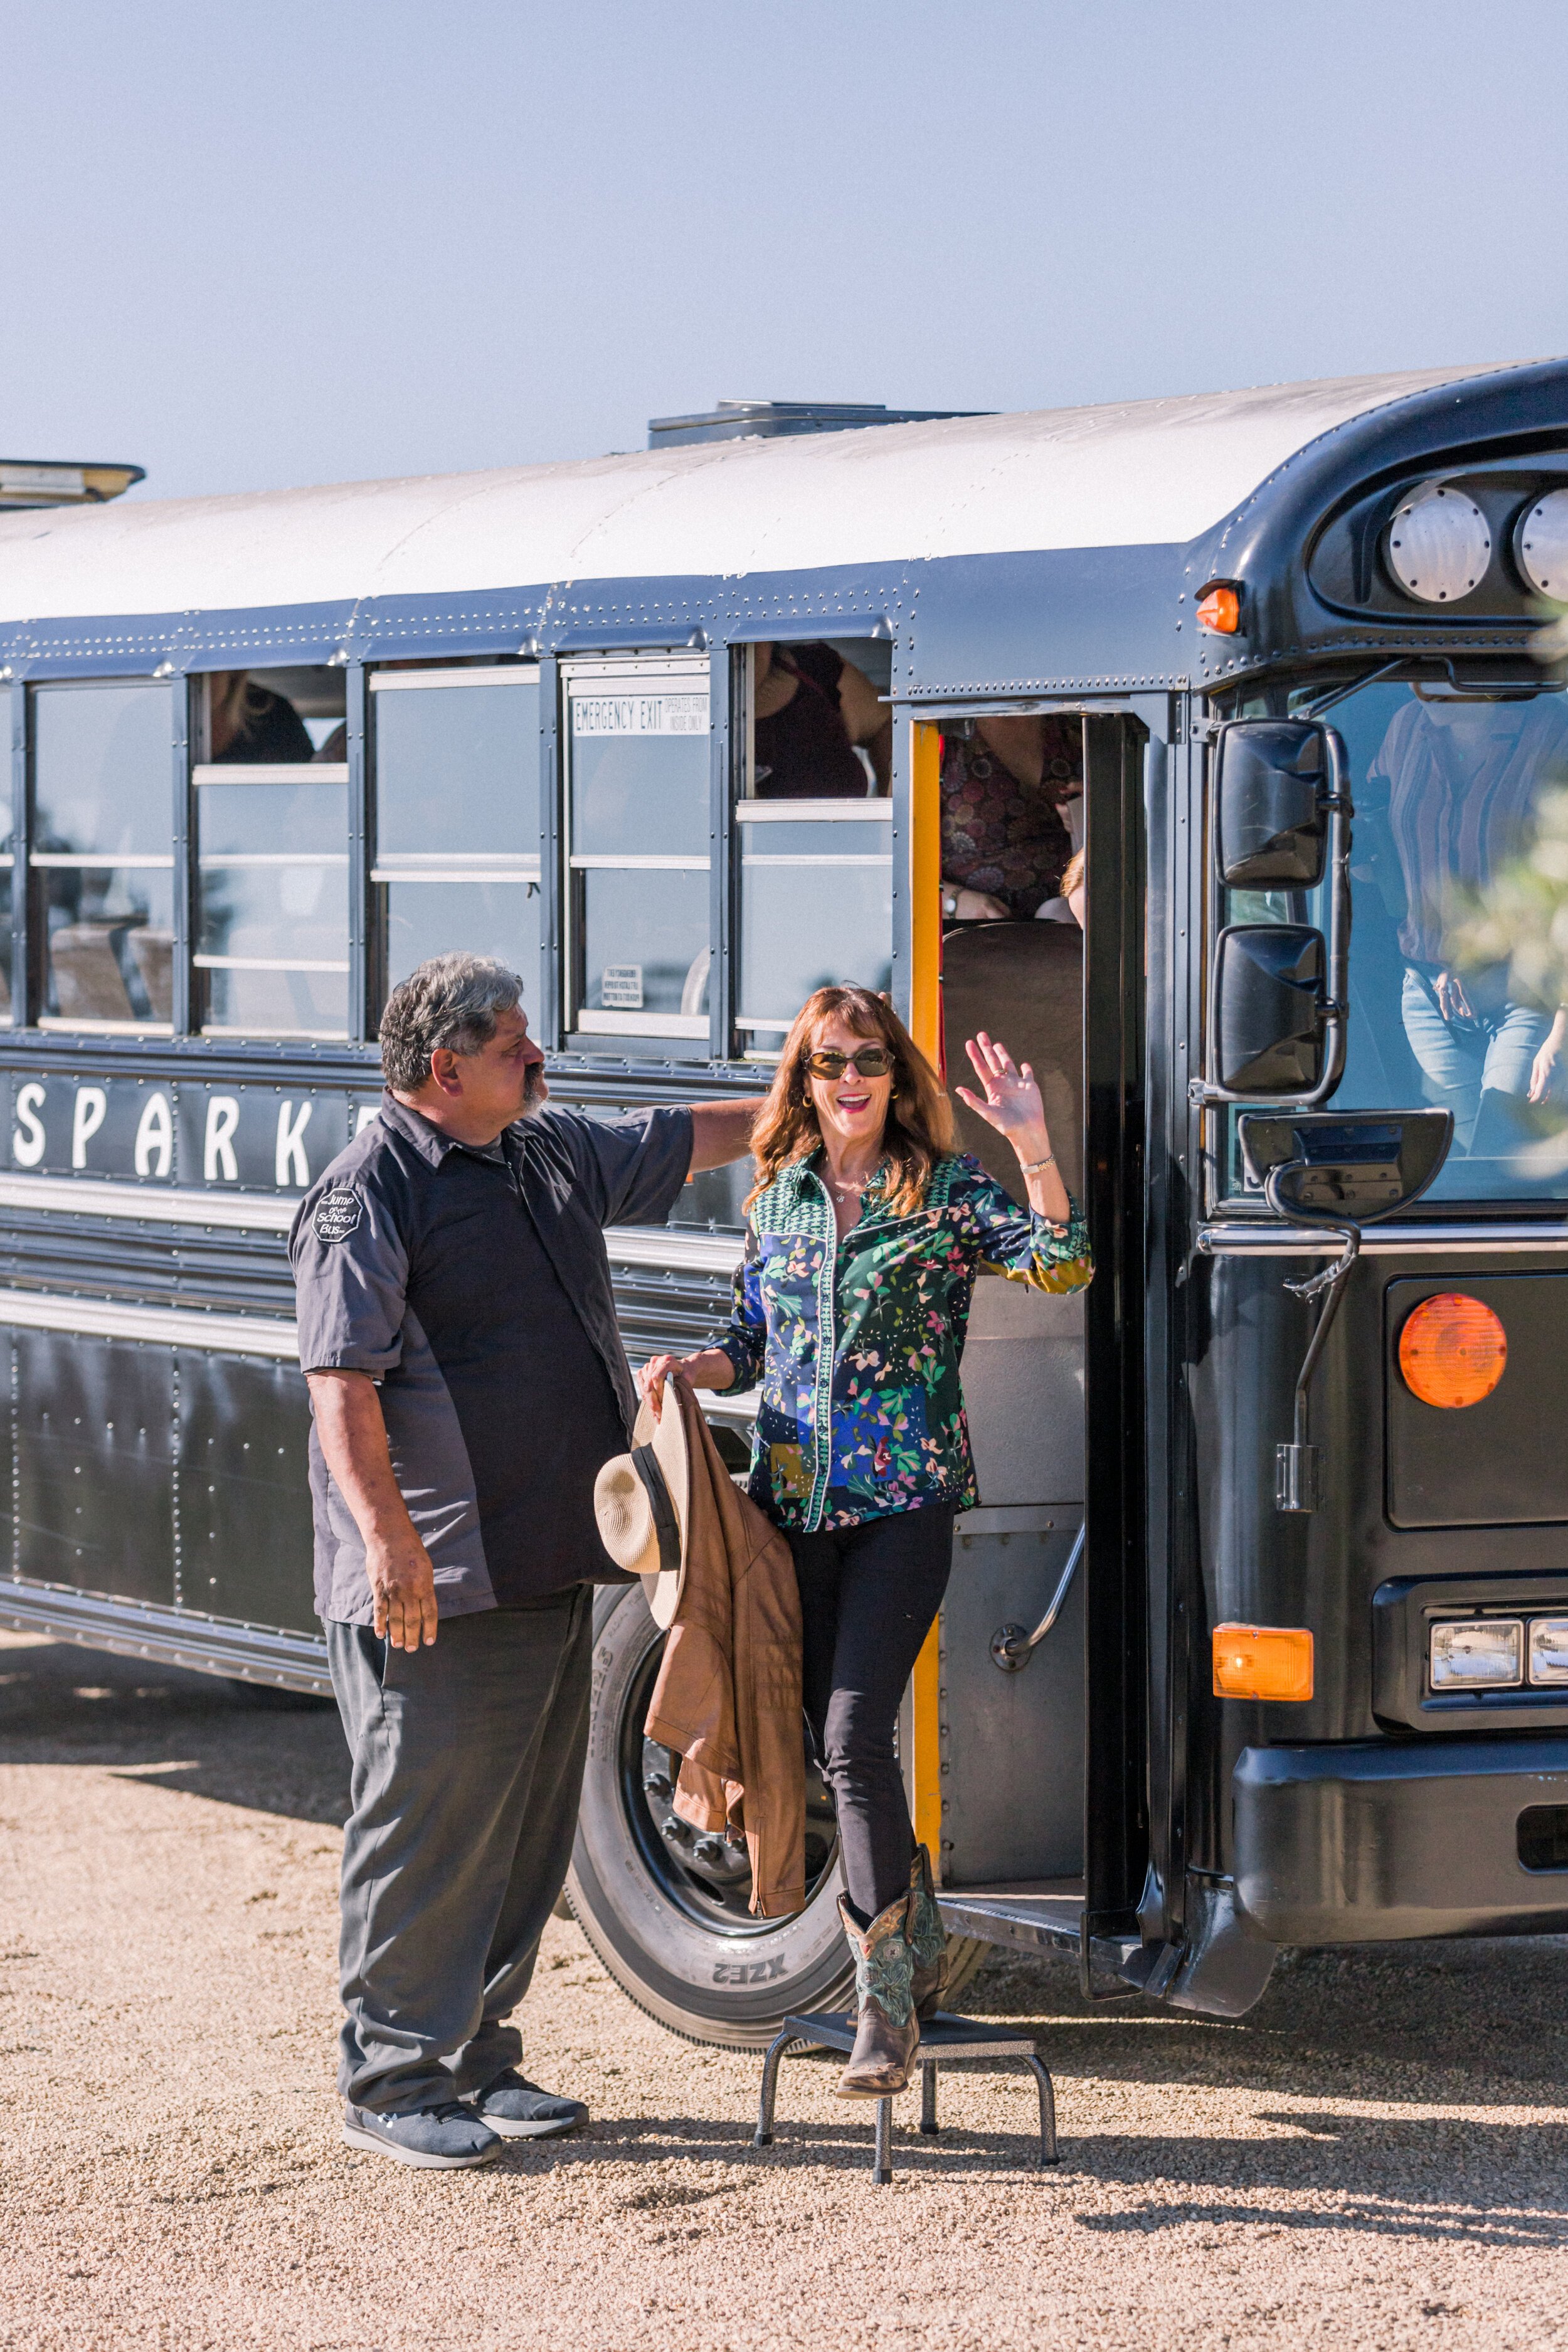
{"x":1258,"y":1635}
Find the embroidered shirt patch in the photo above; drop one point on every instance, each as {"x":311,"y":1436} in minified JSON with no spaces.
{"x":337,"y":1214}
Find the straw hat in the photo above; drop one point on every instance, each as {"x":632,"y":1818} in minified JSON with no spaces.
{"x":642,"y":1501}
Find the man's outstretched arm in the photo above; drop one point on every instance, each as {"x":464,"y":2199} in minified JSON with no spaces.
{"x":722,"y":1131}
{"x":354,"y":1440}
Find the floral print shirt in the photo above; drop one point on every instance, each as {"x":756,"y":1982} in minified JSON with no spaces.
{"x":1004,"y":836}
{"x":856,"y":1344}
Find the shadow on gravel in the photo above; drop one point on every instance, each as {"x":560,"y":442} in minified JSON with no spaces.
{"x":1482,"y":2021}
{"x":265,"y":1749}
{"x":1374,"y":2217}
{"x":1450,"y":2181}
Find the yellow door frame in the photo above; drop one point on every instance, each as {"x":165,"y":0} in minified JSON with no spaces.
{"x":925,"y":1027}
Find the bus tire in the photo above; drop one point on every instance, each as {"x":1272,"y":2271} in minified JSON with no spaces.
{"x":709,"y":1974}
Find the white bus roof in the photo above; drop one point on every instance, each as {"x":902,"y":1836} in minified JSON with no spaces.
{"x":1138,"y":472}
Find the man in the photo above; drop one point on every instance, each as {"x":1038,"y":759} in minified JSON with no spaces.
{"x":466,"y":1382}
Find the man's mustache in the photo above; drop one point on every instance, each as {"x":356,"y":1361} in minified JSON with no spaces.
{"x":536,"y":1091}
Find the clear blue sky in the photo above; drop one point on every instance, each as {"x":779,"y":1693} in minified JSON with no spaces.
{"x":309,"y":240}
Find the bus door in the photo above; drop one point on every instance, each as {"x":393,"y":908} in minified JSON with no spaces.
{"x":1031,"y":1779}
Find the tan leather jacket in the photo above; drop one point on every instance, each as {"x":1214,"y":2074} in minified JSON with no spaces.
{"x":728,"y":1697}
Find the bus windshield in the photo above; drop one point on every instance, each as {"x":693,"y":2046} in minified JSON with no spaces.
{"x":1459,"y":924}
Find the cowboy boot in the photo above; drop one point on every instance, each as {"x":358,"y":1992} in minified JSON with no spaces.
{"x":927,"y":1938}
{"x":888,"y":2031}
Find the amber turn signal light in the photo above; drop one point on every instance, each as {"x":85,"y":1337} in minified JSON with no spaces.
{"x":1262,"y":1662}
{"x":1453,"y":1351}
{"x":1219,"y":608}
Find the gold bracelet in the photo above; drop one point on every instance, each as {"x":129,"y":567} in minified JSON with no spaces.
{"x":1033,"y":1166}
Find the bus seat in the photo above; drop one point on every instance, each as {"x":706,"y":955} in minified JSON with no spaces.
{"x":152,"y":952}
{"x":1023,"y":1362}
{"x":86,"y":976}
{"x":1023,"y":982}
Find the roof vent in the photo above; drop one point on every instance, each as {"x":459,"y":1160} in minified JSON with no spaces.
{"x":26,"y":483}
{"x":744,"y":420}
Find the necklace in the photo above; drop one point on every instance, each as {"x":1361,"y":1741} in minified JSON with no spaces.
{"x":837,"y":1184}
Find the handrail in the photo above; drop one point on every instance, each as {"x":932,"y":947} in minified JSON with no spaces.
{"x":1011,"y":1646}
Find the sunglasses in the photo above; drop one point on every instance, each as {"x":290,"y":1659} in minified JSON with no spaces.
{"x":867,"y":1062}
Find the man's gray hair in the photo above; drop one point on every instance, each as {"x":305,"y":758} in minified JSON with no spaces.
{"x":454,"y":1001}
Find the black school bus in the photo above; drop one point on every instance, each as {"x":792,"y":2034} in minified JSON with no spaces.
{"x":1259,"y":1635}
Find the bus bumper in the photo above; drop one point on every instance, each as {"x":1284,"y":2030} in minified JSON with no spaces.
{"x":1375,"y":1840}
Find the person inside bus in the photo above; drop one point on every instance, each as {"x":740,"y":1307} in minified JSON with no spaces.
{"x":248,"y":723}
{"x":1005,"y":841}
{"x":812,"y":714}
{"x":1070,"y":907}
{"x":861,"y":1449}
{"x":1454,"y":782}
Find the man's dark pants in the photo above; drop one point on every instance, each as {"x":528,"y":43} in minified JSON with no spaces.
{"x":467,"y":1765}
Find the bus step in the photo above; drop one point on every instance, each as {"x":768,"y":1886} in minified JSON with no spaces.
{"x":1038,"y":1914}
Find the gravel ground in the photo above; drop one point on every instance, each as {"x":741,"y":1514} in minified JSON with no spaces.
{"x":1375,"y":2157}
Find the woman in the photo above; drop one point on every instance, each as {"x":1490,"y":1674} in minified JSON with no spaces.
{"x":866,"y":1232}
{"x":810,"y":710}
{"x":1004,"y":840}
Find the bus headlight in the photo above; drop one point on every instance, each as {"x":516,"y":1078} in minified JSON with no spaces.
{"x":1439,"y":544}
{"x":1549,"y":1649}
{"x":1541,"y":544}
{"x":1477,"y":1654}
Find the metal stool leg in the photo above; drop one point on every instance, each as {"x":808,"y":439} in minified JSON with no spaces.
{"x":763,"y":2134}
{"x":929,"y":2123}
{"x":1047,"y":2111}
{"x":882,"y":2168}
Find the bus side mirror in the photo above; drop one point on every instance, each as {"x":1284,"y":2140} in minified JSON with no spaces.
{"x":1344,"y":1166}
{"x":1269,"y":1010}
{"x":1272,"y":795}
{"x":1337,"y":1170}
{"x":1280,"y":820}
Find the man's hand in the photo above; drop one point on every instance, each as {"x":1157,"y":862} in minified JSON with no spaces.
{"x":403,"y":1587}
{"x":352,"y":1436}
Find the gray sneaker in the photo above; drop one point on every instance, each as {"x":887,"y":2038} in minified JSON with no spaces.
{"x":448,"y":2138}
{"x":519,"y":2110}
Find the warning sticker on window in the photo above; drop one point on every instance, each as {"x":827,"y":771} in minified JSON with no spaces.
{"x":639,"y":714}
{"x":621,"y":990}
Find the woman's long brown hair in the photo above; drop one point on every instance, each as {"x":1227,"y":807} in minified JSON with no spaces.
{"x":919,"y":1131}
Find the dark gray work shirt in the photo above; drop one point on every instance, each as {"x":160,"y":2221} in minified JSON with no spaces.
{"x":474,"y":1286}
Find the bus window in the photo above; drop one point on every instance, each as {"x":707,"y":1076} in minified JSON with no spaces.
{"x":819,"y":728}
{"x":815,"y":865}
{"x":456,"y":815}
{"x":1450,"y":893}
{"x":272,"y":856}
{"x":816,"y":906}
{"x":103,"y":854}
{"x":638,"y":799}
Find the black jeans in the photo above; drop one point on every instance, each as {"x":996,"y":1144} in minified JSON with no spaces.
{"x":867,"y":1596}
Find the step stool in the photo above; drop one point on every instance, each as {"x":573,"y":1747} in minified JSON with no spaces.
{"x":942,"y":2037}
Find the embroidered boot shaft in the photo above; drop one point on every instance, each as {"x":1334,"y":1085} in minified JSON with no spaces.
{"x":887,"y":2031}
{"x":927,"y":1938}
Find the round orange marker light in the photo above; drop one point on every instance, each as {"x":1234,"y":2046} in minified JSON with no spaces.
{"x":1219,"y":609}
{"x":1453,"y":1351}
